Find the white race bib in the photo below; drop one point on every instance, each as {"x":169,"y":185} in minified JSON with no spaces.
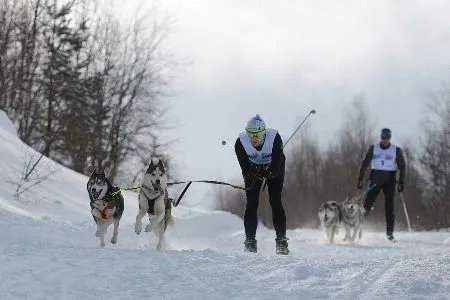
{"x":384,"y":159}
{"x":264,"y":156}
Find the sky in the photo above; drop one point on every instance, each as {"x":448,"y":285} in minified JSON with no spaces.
{"x":281,"y":61}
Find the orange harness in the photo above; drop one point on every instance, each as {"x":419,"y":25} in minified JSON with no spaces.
{"x":105,"y":211}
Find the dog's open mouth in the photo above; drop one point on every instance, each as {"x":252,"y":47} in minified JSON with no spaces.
{"x":157,"y":187}
{"x":95,"y":195}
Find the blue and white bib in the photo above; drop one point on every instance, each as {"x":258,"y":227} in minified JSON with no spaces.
{"x":384,"y":159}
{"x":264,"y":156}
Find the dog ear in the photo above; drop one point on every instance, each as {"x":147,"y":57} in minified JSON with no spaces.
{"x":150,"y":167}
{"x":161,"y":165}
{"x":108,"y":182}
{"x":94,"y":173}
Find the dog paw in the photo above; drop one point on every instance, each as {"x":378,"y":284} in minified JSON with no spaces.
{"x":113,"y":240}
{"x":138,"y":228}
{"x":102,"y":243}
{"x":148,"y":228}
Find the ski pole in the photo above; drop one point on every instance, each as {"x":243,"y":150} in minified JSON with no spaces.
{"x":313,"y":111}
{"x":406,"y":212}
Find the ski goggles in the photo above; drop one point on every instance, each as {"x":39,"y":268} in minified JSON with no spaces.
{"x":385,"y":135}
{"x":258,"y":133}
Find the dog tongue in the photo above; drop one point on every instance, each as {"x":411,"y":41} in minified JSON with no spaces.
{"x":158,"y":188}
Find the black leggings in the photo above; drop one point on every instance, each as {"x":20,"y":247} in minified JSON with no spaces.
{"x":389,"y":208}
{"x":275,"y":188}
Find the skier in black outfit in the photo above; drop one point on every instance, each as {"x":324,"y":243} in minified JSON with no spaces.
{"x":259,"y":151}
{"x":386,"y":159}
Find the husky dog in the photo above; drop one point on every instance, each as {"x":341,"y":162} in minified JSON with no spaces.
{"x":107,"y":204}
{"x":154,"y":201}
{"x":330,"y":218}
{"x":352,"y":218}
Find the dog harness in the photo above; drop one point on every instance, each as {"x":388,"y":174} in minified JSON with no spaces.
{"x":264,"y":156}
{"x":108,"y":200}
{"x":384,"y":159}
{"x":151,"y":201}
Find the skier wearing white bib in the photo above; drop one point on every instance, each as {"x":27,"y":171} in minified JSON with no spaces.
{"x":386,"y":159}
{"x":259,"y":151}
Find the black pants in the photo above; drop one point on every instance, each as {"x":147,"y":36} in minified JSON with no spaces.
{"x":275,"y":188}
{"x":389,"y":207}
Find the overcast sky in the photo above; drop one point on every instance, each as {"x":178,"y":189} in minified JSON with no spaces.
{"x":282,"y":60}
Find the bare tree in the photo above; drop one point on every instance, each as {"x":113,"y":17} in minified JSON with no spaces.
{"x":232,"y":201}
{"x":303,"y":180}
{"x":8,"y":14}
{"x":134,"y":68}
{"x":19,"y":60}
{"x":157,"y":149}
{"x":92,"y":95}
{"x":414,"y":192}
{"x":435,"y":159}
{"x":32,"y":175}
{"x":60,"y":78}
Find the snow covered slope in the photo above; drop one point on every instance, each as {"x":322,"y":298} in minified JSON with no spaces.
{"x":48,"y":251}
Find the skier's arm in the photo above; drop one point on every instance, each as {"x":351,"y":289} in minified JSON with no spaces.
{"x":242,"y":158}
{"x":365,"y":163}
{"x":401,"y":164}
{"x":277,"y":156}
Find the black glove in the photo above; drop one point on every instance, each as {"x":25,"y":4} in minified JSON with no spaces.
{"x":400,"y":186}
{"x":360,"y":183}
{"x":266,"y":174}
{"x":249,"y":175}
{"x":252,"y":175}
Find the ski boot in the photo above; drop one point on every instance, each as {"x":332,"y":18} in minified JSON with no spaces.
{"x":390,"y":237}
{"x":282,"y":245}
{"x":250,"y":245}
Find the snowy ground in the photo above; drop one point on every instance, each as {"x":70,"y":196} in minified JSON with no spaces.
{"x":48,"y":251}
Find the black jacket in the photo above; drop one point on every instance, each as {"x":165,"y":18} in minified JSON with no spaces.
{"x":247,"y":167}
{"x":380,"y":177}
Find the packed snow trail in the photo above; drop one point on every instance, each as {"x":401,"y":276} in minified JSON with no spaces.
{"x":44,"y":259}
{"x":48,"y":251}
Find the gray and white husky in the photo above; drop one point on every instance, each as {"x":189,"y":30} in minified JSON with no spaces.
{"x":107,"y":204}
{"x":154,"y":201}
{"x":352,"y":218}
{"x":330,"y":218}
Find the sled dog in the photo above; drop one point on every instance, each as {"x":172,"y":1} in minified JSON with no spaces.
{"x":330,"y":218}
{"x":352,"y":218}
{"x":155,"y":202}
{"x":107,"y":204}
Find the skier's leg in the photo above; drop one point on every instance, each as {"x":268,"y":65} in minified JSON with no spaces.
{"x":251,"y":216}
{"x":275,"y":188}
{"x":371,"y":197}
{"x":389,"y":207}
